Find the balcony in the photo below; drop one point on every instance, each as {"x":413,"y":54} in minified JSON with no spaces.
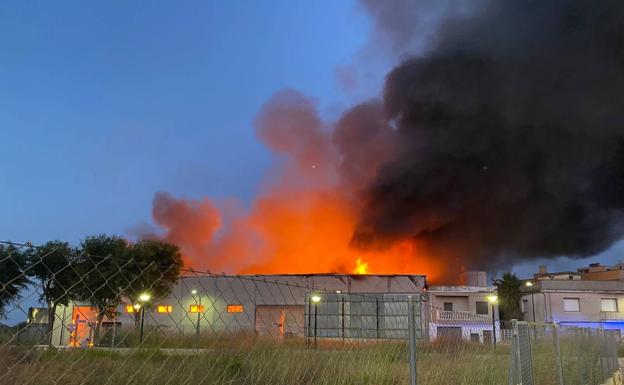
{"x":459,"y":316}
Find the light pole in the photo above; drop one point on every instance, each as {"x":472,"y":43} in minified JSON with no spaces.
{"x":529,"y":284}
{"x":198,"y":308}
{"x":315,"y":299}
{"x":143,"y":298}
{"x":493,"y":299}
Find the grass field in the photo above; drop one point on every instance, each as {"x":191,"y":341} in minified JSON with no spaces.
{"x":260,"y":363}
{"x":240,"y":359}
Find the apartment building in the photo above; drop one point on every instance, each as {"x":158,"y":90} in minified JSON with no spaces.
{"x":468,"y":311}
{"x":574,"y":302}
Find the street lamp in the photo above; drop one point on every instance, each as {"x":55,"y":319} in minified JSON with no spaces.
{"x":315,"y":299}
{"x":198,"y":309}
{"x":143,"y":297}
{"x":529,"y":284}
{"x":493,"y":299}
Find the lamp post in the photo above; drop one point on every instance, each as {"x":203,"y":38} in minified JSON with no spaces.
{"x":143,"y":298}
{"x":315,"y":299}
{"x":198,"y":308}
{"x":493,"y":299}
{"x":529,"y":284}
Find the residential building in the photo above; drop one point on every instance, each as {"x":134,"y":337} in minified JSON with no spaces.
{"x":581,"y":302}
{"x":465,"y":311}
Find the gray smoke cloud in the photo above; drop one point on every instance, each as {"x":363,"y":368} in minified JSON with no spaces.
{"x":506,"y":132}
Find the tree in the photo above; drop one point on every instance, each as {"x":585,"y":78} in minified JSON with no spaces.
{"x":509,"y":295}
{"x":52,"y":265}
{"x":155,"y":268}
{"x":12,"y":277}
{"x":102,"y":263}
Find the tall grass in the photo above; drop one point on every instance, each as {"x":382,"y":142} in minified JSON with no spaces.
{"x":261,"y":362}
{"x":243,"y":358}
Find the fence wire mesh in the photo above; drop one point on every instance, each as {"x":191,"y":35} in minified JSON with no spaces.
{"x":84,"y":319}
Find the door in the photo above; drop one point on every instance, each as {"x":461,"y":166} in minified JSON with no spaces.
{"x":279,"y":321}
{"x":450,"y":332}
{"x":82,"y":326}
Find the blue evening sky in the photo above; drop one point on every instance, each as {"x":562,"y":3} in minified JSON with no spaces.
{"x":104,"y":103}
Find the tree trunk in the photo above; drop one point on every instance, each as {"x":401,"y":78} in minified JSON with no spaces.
{"x":51,"y":317}
{"x":98,"y":326}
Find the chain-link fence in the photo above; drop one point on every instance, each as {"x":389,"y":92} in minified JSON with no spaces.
{"x":83,"y":319}
{"x":550,"y":354}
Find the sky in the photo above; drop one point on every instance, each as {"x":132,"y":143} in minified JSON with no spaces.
{"x":102,"y":104}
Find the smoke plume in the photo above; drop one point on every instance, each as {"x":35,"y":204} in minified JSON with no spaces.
{"x":510,"y":129}
{"x":501,"y":137}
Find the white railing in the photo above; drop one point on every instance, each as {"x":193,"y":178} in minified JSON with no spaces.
{"x":466,"y":316}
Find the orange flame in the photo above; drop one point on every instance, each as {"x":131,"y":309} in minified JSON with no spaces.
{"x":360,"y":267}
{"x":309,"y":206}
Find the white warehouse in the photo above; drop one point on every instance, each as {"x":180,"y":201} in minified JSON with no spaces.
{"x":324,"y":305}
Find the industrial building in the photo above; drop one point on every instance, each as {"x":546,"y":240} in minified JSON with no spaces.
{"x":324,"y":305}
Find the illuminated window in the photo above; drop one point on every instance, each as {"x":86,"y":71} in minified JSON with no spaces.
{"x":129,"y":309}
{"x":164,"y":308}
{"x":234,"y":308}
{"x":197,"y":308}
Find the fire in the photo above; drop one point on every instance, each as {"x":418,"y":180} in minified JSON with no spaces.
{"x":304,"y":217}
{"x":360,"y":267}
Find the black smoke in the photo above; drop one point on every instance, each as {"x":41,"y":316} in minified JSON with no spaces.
{"x":509,"y":132}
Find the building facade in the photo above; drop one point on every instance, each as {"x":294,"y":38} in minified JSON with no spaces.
{"x":467,"y":311}
{"x":574,"y":302}
{"x":328,"y":305}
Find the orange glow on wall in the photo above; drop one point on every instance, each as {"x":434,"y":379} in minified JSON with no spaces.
{"x":164,"y":309}
{"x":197,"y":308}
{"x":129,"y":309}
{"x":235,"y":308}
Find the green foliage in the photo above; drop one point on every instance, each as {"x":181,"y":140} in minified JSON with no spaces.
{"x":12,"y":277}
{"x":102,"y":264}
{"x":508,"y":289}
{"x":53,"y":266}
{"x":155,"y":269}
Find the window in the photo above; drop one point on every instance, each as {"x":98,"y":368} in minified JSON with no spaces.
{"x":448,"y":306}
{"x":524,"y":305}
{"x":197,"y":308}
{"x":164,"y":308}
{"x":571,"y":304}
{"x":608,"y":304}
{"x":234,"y":308}
{"x":482,"y":307}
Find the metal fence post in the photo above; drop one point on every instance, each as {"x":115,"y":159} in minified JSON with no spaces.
{"x":558,"y":352}
{"x":513,"y":354}
{"x":411,"y":325}
{"x":579,"y":334}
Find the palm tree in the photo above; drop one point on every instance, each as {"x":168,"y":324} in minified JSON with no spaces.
{"x":508,"y":288}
